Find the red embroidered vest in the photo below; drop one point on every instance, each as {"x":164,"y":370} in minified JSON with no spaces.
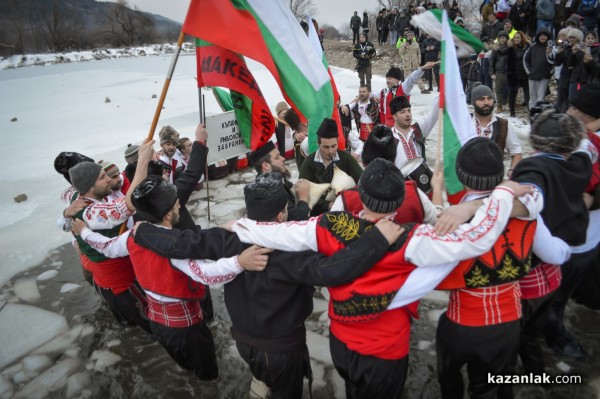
{"x":411,"y":210}
{"x":115,"y":274}
{"x":485,"y":290}
{"x":385,"y":113}
{"x":156,"y":274}
{"x":358,"y":310}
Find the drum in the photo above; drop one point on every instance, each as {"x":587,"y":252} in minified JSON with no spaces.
{"x":418,"y":171}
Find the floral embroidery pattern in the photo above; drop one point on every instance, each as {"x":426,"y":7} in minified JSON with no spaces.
{"x":478,"y":279}
{"x":508,"y":271}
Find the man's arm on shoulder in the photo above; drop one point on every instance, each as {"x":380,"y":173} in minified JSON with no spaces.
{"x":290,"y":236}
{"x":213,"y":243}
{"x":106,"y":215}
{"x":110,"y":247}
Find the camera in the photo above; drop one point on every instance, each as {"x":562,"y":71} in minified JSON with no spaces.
{"x":472,"y":57}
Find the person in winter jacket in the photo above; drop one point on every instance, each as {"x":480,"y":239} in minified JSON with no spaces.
{"x":538,"y":62}
{"x":379,"y":23}
{"x":365,"y":25}
{"x":491,"y":29}
{"x":591,"y":60}
{"x":563,"y":9}
{"x":363,"y":52}
{"x":544,"y":14}
{"x":578,"y":76}
{"x":562,"y":54}
{"x":430,"y":48}
{"x":519,"y":15}
{"x":516,"y":77}
{"x":589,"y":10}
{"x":472,"y":76}
{"x":498,"y":67}
{"x":392,"y":18}
{"x":410,"y":57}
{"x":355,"y":26}
{"x":487,"y":10}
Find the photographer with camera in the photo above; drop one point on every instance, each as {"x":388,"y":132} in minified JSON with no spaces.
{"x":363,"y":52}
{"x":578,"y":77}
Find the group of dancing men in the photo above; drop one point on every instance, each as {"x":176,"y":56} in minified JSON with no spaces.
{"x":511,"y":254}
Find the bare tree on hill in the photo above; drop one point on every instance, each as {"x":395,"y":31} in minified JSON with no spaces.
{"x":129,"y":27}
{"x":55,"y":26}
{"x":302,"y":7}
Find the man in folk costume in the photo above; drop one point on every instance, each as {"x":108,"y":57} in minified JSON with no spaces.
{"x":584,"y":107}
{"x":114,"y":279}
{"x":365,"y":111}
{"x":481,"y":327}
{"x":319,"y":166}
{"x":299,"y":134}
{"x":174,"y":287}
{"x":488,"y":125}
{"x":409,"y":136}
{"x":112,"y":171}
{"x":268,"y":309}
{"x":396,"y":89}
{"x":369,"y":336}
{"x":416,"y":207}
{"x":268,"y":159}
{"x":561,"y":172}
{"x":169,"y":139}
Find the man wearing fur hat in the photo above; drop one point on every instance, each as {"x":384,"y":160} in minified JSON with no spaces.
{"x":370,"y":328}
{"x":416,"y":207}
{"x":396,"y":89}
{"x":409,"y":136}
{"x":268,"y":159}
{"x":174,"y":287}
{"x":481,"y":326}
{"x":561,"y":170}
{"x":488,"y":125}
{"x":319,"y":166}
{"x":169,"y":139}
{"x":269,"y":327}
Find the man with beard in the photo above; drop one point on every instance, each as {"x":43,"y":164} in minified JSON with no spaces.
{"x":169,"y":139}
{"x":268,"y":159}
{"x":117,"y":180}
{"x":319,"y":166}
{"x":490,"y":126}
{"x":365,"y":111}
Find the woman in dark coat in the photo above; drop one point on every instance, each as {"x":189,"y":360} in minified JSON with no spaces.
{"x":515,"y":71}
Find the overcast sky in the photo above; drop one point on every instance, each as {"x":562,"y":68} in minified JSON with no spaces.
{"x":331,"y":12}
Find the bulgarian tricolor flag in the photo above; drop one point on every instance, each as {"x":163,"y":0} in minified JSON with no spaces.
{"x":267,"y":31}
{"x":456,"y":122}
{"x":217,"y":66}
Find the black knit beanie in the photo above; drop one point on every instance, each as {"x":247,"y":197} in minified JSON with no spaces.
{"x":556,"y":133}
{"x":479,"y":164}
{"x":381,"y":186}
{"x":379,"y":144}
{"x":84,"y":175}
{"x":153,"y":198}
{"x":265,"y":197}
{"x":587,"y":100}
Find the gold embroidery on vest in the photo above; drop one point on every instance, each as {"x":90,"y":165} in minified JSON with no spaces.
{"x":508,"y":270}
{"x":477,"y":279}
{"x":346,"y":227}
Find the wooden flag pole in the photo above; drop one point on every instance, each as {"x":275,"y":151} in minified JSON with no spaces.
{"x":161,"y":101}
{"x":203,"y":120}
{"x":163,"y":95}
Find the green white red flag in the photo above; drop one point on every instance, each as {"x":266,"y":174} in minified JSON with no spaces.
{"x":457,"y":125}
{"x":267,"y":31}
{"x":217,"y":66}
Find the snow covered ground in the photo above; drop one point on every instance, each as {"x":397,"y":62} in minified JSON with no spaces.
{"x":62,"y":107}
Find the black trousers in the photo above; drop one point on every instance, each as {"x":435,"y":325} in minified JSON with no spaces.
{"x":282,"y":372}
{"x":485,"y":350}
{"x":128,"y":307}
{"x":512,"y":94}
{"x":193,"y":348}
{"x":533,"y":322}
{"x":429,"y":76}
{"x":368,"y":377}
{"x":573,"y":273}
{"x":354,"y":35}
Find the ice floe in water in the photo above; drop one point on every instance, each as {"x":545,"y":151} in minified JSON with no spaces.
{"x":47,"y":275}
{"x":27,"y":290}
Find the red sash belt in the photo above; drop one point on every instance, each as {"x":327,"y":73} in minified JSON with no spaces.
{"x":541,"y":281}
{"x":488,"y":306}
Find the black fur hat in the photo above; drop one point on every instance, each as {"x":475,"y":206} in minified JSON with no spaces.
{"x":328,"y":129}
{"x":381,"y":186}
{"x":66,"y":160}
{"x":265,"y":197}
{"x":379,"y":144}
{"x":395,"y":73}
{"x":153,"y":198}
{"x":399,"y":103}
